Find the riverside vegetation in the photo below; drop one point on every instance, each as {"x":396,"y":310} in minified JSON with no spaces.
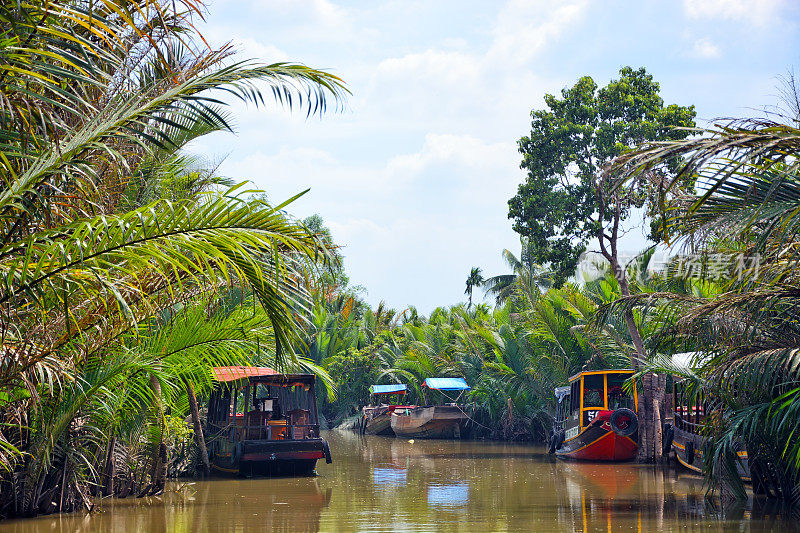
{"x":130,"y":269}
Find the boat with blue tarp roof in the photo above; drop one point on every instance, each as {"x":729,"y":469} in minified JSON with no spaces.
{"x":376,"y":417}
{"x":445,"y":421}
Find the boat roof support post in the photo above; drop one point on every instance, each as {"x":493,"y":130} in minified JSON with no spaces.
{"x":235,"y":396}
{"x":580,"y":412}
{"x":313,"y":401}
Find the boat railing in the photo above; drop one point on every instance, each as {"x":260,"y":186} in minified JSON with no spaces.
{"x":682,"y":423}
{"x":560,"y":422}
{"x":271,"y":430}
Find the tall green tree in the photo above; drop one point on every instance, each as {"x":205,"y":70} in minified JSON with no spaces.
{"x":572,"y":197}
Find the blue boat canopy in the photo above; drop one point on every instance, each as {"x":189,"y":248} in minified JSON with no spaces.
{"x":394,"y":388}
{"x":446,"y":384}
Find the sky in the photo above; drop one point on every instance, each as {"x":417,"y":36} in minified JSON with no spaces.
{"x":414,"y":173}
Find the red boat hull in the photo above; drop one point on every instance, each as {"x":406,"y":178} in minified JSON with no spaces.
{"x":599,"y":443}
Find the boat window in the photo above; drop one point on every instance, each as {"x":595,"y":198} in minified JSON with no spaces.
{"x":292,"y":398}
{"x":264,"y":400}
{"x":242,"y":401}
{"x":617,"y":396}
{"x":593,"y":391}
{"x":575,"y":396}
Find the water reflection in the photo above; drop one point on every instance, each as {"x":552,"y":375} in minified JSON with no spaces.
{"x":385,"y":484}
{"x":387,"y":478}
{"x":220,"y":505}
{"x":454,"y":495}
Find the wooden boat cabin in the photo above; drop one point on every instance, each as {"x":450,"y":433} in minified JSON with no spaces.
{"x":433,"y":421}
{"x":595,"y":418}
{"x":376,"y":419}
{"x":264,"y":422}
{"x":685,"y":434}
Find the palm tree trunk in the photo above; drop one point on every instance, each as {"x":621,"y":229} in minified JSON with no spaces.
{"x":199,"y":438}
{"x":158,"y":474}
{"x":107,"y":479}
{"x":651,"y":397}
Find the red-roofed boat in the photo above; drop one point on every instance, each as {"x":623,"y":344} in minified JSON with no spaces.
{"x":596,"y":418}
{"x":263,"y":422}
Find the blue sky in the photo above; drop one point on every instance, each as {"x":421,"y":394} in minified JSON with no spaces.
{"x":414,"y":174}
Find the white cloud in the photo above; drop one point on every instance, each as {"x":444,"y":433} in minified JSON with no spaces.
{"x":313,"y":11}
{"x":251,"y":48}
{"x":481,"y":91}
{"x":458,"y":150}
{"x":523,"y":28}
{"x":455,"y":43}
{"x":471,"y":159}
{"x":759,"y":12}
{"x":705,"y":49}
{"x":435,"y":66}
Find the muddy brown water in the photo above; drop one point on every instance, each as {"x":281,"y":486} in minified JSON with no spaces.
{"x":387,"y":484}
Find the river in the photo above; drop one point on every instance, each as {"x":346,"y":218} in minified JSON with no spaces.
{"x":385,"y":484}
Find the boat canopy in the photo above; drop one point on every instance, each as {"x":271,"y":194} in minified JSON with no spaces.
{"x":446,"y":384}
{"x":394,"y":388}
{"x":600,"y":372}
{"x":234,"y":373}
{"x":261,"y":374}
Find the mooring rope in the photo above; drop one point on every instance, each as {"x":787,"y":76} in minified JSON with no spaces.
{"x":464,"y":412}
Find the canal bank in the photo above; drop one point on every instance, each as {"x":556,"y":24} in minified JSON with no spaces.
{"x":390,"y":484}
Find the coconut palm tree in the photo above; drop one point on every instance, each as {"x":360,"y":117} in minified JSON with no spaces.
{"x":475,"y":279}
{"x":744,"y":219}
{"x":502,"y":285}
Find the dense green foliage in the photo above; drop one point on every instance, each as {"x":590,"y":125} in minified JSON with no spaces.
{"x":128,"y":268}
{"x":512,"y":356}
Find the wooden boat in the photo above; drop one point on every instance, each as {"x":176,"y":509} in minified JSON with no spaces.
{"x":429,"y":422}
{"x":264,"y":422}
{"x":684,"y":435}
{"x":595,"y":418}
{"x":377,"y":420}
{"x":432,"y":421}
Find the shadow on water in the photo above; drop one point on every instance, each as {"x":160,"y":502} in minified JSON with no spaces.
{"x":386,"y":484}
